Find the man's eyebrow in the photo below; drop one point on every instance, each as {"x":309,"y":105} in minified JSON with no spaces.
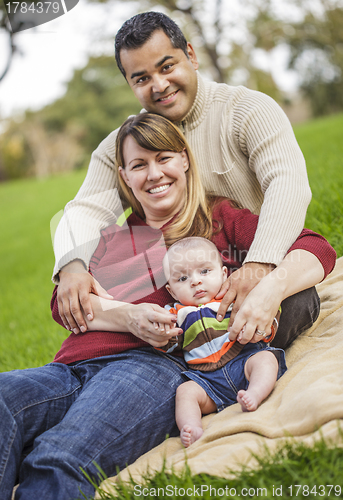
{"x":157,"y":65}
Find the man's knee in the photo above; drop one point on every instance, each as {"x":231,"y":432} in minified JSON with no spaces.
{"x":299,"y":312}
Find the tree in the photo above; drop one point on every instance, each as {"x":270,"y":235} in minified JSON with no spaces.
{"x":316,"y":49}
{"x":62,"y":135}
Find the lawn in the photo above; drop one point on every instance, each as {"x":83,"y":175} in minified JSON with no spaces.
{"x":28,"y":335}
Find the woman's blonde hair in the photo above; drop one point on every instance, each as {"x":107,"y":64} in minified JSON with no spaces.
{"x":156,"y":133}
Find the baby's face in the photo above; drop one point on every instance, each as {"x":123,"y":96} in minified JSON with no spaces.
{"x":196,"y":276}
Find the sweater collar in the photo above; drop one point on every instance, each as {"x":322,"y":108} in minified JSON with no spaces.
{"x":200,"y":105}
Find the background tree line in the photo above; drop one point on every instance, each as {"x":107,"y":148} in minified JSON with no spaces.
{"x":61,"y":136}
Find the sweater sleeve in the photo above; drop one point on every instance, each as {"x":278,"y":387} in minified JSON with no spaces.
{"x":239,"y":227}
{"x":265,"y":136}
{"x":96,"y":205}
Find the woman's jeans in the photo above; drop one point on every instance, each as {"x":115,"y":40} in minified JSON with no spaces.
{"x":107,"y":410}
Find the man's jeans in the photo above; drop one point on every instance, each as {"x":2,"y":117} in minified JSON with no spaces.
{"x":299,"y":312}
{"x":107,"y":410}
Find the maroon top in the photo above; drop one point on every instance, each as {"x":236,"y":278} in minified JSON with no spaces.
{"x":128,"y":264}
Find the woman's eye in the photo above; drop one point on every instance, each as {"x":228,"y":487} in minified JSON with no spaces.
{"x":165,"y":158}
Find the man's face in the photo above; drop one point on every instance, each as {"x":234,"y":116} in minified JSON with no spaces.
{"x":162,"y":78}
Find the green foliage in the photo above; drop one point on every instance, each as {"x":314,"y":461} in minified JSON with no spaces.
{"x":295,"y":469}
{"x":63,"y":135}
{"x":97,"y":101}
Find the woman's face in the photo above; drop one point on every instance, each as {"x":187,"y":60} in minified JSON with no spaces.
{"x":157,"y":179}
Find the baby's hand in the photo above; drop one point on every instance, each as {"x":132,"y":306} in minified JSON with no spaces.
{"x":164,"y":327}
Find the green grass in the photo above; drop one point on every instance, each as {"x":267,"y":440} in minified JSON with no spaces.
{"x":29,"y":337}
{"x":322,"y":145}
{"x":294,"y":470}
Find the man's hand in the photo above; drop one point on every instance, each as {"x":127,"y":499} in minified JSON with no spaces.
{"x":238,"y":285}
{"x":73,"y":294}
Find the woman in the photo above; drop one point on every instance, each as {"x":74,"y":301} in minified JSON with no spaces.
{"x":109,"y":397}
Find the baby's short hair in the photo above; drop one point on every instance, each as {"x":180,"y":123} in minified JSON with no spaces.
{"x":188,"y":245}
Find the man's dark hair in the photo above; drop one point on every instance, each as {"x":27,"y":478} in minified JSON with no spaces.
{"x":137,"y":30}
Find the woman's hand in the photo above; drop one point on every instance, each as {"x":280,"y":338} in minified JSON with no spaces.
{"x":148,"y":322}
{"x":152,"y":323}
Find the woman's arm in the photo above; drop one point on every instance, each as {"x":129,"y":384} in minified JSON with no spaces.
{"x":149,"y":322}
{"x":299,"y":270}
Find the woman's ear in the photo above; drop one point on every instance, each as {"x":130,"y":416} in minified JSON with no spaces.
{"x":124,"y":176}
{"x":185,"y":159}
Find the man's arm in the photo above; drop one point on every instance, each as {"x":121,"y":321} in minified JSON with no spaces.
{"x":265,"y":136}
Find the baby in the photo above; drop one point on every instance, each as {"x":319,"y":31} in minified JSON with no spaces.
{"x":221,"y":372}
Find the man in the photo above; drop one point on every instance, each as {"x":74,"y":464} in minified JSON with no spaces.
{"x":244,"y":146}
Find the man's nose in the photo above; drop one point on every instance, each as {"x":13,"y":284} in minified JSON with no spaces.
{"x":159,"y":84}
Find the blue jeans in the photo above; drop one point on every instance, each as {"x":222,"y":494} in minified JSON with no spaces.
{"x":58,"y":418}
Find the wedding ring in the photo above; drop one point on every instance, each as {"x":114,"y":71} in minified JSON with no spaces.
{"x":260,"y":332}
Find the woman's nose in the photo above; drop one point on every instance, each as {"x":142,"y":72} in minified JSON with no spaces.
{"x":154,"y":171}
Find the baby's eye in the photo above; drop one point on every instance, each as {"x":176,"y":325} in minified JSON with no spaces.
{"x":204,"y":271}
{"x":182,"y":278}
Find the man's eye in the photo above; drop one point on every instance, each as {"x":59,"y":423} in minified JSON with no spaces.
{"x":167,"y":67}
{"x":142,"y":79}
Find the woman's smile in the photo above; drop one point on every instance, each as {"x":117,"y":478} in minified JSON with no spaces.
{"x":157,"y":180}
{"x":159,"y":189}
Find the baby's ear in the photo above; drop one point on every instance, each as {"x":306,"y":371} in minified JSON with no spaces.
{"x":224,"y":271}
{"x":170,"y":291}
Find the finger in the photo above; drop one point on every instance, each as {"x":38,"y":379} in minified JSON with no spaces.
{"x":86,"y":305}
{"x":161,"y":317}
{"x":98,"y":290}
{"x":62,"y":315}
{"x":246,"y":334}
{"x":69,"y":316}
{"x":225,"y":303}
{"x":224,"y":288}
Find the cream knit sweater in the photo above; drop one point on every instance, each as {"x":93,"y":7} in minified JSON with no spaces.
{"x":245,"y":149}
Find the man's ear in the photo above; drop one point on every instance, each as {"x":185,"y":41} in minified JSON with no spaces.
{"x":170,"y":291}
{"x":124,"y":176}
{"x":185,"y":160}
{"x":192,"y":56}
